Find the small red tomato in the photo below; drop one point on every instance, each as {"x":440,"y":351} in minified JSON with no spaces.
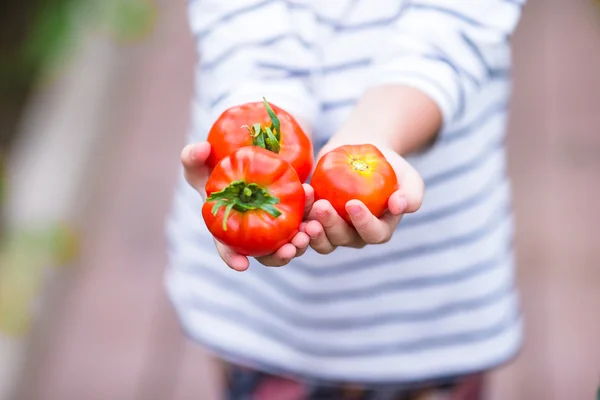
{"x":358,"y":172}
{"x":255,"y":202}
{"x":263,"y":125}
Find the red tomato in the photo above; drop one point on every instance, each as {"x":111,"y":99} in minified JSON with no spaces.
{"x":358,"y":172}
{"x":263,"y":125}
{"x":255,"y":202}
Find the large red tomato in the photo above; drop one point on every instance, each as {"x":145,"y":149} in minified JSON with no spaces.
{"x":255,"y":202}
{"x":264,"y":125}
{"x":358,"y":172}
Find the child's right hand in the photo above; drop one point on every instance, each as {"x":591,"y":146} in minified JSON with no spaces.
{"x":328,"y":230}
{"x":196,"y":172}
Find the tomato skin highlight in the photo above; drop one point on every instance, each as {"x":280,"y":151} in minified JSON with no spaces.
{"x":233,"y":129}
{"x":254,"y":232}
{"x":358,"y":172}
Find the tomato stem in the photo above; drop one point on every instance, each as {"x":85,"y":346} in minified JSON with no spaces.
{"x":359,"y":165}
{"x":268,"y":137}
{"x":242,"y":197}
{"x":246,"y":194}
{"x":275,"y":123}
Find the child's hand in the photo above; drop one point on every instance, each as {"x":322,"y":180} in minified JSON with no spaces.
{"x":196,"y":172}
{"x":327,"y":230}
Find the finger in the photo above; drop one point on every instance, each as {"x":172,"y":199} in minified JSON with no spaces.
{"x":280,"y":258}
{"x":397,"y":203}
{"x":234,"y":260}
{"x":302,"y":227}
{"x":310,"y":198}
{"x":301,"y":241}
{"x":318,"y":238}
{"x":391,"y":221}
{"x":193,"y":158}
{"x":411,"y":187}
{"x":337,"y":230}
{"x":369,"y":227}
{"x":300,"y":252}
{"x":284,"y":255}
{"x":195,"y":154}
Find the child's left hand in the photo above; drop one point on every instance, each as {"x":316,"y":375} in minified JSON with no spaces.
{"x":327,"y":230}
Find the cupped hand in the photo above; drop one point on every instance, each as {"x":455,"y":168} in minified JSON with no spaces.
{"x":327,"y":230}
{"x":196,"y":172}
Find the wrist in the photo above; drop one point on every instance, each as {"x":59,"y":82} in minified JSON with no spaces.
{"x":392,"y":116}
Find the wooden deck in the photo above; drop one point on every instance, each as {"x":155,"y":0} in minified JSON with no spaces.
{"x":114,"y":335}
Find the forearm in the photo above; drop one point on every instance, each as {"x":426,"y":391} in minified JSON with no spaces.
{"x":398,"y":117}
{"x":443,"y":52}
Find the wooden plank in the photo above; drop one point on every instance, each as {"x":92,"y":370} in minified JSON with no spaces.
{"x":554,"y":145}
{"x":116,"y":336}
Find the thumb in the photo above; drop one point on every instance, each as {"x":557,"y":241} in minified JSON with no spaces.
{"x":195,"y":155}
{"x":410,"y":187}
{"x":193,"y":158}
{"x":235,"y":261}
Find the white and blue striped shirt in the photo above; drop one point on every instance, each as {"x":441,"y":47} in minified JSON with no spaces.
{"x":437,"y":300}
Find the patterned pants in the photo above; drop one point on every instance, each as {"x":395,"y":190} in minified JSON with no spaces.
{"x":248,"y":384}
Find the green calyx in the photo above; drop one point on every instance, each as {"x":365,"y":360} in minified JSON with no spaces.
{"x":267,"y":137}
{"x":242,"y":197}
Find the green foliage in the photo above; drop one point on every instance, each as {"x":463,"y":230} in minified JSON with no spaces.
{"x":129,"y":19}
{"x":58,"y":25}
{"x":25,"y":255}
{"x":43,"y":37}
{"x":52,"y":34}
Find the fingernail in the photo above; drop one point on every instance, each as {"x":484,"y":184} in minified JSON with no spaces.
{"x":354,"y":210}
{"x":192,"y":152}
{"x":315,"y":235}
{"x":402,"y":204}
{"x":321,"y":213}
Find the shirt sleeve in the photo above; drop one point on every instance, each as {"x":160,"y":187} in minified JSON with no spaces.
{"x":448,"y":49}
{"x":237,"y":40}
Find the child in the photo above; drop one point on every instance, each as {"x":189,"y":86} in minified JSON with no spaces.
{"x":388,"y":309}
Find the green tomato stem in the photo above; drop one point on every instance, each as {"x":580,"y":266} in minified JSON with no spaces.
{"x":242,"y":197}
{"x":267,"y":137}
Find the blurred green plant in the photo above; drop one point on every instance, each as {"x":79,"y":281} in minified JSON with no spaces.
{"x":129,"y":20}
{"x":37,"y":39}
{"x":59,"y":25}
{"x":24,"y":257}
{"x":50,"y":35}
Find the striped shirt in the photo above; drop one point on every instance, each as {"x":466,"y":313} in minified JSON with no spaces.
{"x":439,"y":298}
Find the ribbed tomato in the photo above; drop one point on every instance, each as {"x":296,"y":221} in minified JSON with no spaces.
{"x":264,"y":125}
{"x":255,"y":201}
{"x":358,"y":172}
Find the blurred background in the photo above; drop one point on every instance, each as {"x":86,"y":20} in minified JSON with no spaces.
{"x":94,"y":107}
